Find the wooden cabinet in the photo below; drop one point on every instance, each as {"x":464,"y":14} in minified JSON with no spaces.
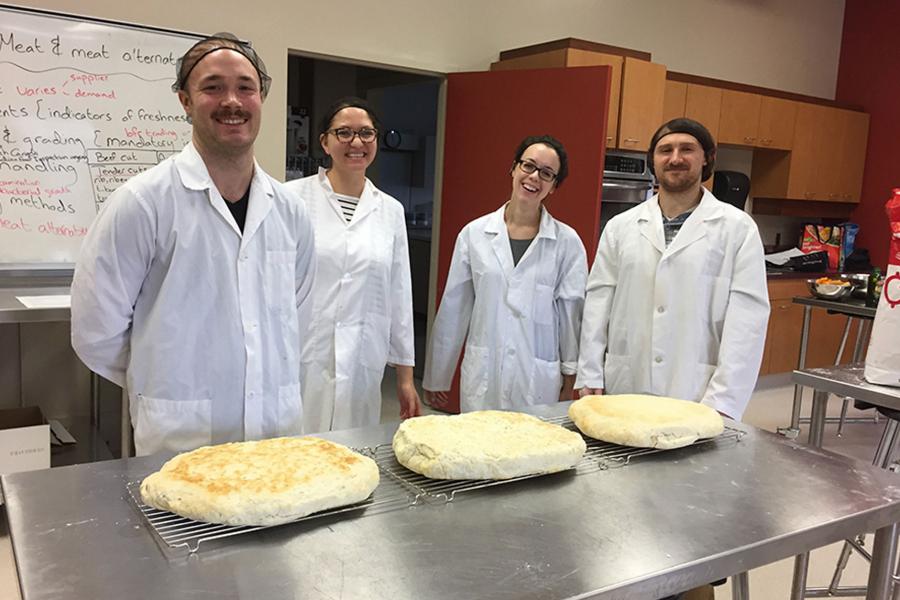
{"x":704,"y":104}
{"x":776,"y":123}
{"x":782,"y":350}
{"x":641,"y":110}
{"x":739,"y":119}
{"x":674,"y":99}
{"x":637,"y":90}
{"x":826,"y":159}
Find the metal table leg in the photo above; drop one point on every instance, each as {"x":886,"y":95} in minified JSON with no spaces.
{"x":794,"y":429}
{"x":798,"y":584}
{"x":126,"y":425}
{"x":816,"y":431}
{"x":740,"y":586}
{"x":884,"y":552}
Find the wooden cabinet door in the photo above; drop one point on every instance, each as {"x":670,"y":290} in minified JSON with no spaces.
{"x":739,"y":121}
{"x":674,"y":100}
{"x":643,"y":94}
{"x":825,"y":332}
{"x":776,"y":123}
{"x":829,"y":159}
{"x":853,"y":149}
{"x":704,"y":104}
{"x":802,"y":183}
{"x":783,"y":335}
{"x":586,"y":58}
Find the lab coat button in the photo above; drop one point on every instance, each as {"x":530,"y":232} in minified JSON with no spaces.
{"x":658,"y":359}
{"x":661,"y":310}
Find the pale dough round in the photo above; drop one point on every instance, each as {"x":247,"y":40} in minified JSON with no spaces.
{"x":487,"y":444}
{"x":263,"y":482}
{"x":645,"y":421}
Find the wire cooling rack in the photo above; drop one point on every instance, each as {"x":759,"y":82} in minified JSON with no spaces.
{"x":401,"y":488}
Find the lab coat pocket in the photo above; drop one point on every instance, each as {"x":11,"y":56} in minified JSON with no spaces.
{"x":546,"y":382}
{"x":175,"y":425}
{"x":290,"y":410}
{"x":545,"y":326}
{"x":278,"y":279}
{"x":617,"y":375}
{"x":473,"y":375}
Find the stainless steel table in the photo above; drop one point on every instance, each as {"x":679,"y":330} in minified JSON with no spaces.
{"x":657,"y":526}
{"x":846,"y":381}
{"x":854,"y":309}
{"x":13,"y":311}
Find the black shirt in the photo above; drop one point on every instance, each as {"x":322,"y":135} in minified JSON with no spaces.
{"x":239,"y":209}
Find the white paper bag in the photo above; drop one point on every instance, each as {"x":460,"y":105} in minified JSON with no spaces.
{"x":883,"y":358}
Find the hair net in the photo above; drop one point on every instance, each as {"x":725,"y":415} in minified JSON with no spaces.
{"x":219,"y":41}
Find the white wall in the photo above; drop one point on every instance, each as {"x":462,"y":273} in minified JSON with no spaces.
{"x":785,"y":44}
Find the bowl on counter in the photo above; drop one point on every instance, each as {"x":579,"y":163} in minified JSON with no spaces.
{"x":829,"y":291}
{"x":859,"y":282}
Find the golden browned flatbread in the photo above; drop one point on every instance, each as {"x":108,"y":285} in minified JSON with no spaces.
{"x":487,"y":444}
{"x":645,"y":421}
{"x":261,"y":483}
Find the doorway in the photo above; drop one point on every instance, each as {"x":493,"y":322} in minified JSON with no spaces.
{"x":407,"y":104}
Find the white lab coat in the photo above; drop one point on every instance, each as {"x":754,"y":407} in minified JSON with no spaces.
{"x":362,"y":315}
{"x":687,"y":321}
{"x":203,"y":324}
{"x":522,"y":321}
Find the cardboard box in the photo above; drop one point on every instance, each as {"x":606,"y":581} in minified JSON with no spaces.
{"x":24,"y":440}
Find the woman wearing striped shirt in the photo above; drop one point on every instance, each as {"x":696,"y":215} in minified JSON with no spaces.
{"x":362,"y":312}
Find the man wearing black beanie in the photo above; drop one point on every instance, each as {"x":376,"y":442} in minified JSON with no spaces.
{"x":677,"y":303}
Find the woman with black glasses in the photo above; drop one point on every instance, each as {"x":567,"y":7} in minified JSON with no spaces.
{"x":362,"y":311}
{"x":514,"y":296}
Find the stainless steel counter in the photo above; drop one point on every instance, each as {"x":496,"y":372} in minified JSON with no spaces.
{"x":13,"y":311}
{"x":852,"y":306}
{"x":657,"y":526}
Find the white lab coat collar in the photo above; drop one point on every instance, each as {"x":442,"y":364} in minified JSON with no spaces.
{"x":369,"y":200}
{"x":496,"y":228}
{"x":694,"y":228}
{"x":195,"y":176}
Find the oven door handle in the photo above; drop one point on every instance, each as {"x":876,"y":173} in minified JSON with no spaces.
{"x":642,"y":185}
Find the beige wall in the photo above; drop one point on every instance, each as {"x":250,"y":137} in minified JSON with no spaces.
{"x":786,"y":44}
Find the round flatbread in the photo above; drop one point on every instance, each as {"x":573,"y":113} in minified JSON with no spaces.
{"x":487,"y":444}
{"x":645,"y":421}
{"x":261,"y":483}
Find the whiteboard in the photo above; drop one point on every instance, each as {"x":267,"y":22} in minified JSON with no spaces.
{"x":84,"y":106}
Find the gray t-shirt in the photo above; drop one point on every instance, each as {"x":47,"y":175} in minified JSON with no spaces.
{"x":518,"y":248}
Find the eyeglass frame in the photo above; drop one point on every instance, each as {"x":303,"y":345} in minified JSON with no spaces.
{"x":356,"y":134}
{"x":541,"y":171}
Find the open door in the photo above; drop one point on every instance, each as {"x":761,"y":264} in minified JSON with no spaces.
{"x":488,"y":114}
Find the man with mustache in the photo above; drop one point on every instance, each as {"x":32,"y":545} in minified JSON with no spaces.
{"x":677,"y":303}
{"x":193,"y":287}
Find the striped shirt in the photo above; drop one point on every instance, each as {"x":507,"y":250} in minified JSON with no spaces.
{"x":672,"y":226}
{"x":348,"y":205}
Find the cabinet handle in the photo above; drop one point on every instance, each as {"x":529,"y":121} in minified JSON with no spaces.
{"x":630,"y":141}
{"x":832,"y":196}
{"x":784,"y":306}
{"x":752,"y":139}
{"x":609,"y":138}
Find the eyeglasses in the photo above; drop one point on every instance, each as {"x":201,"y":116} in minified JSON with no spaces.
{"x":366,"y":135}
{"x":529,"y":167}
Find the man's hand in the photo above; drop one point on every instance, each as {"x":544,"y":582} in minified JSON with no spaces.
{"x":586,"y":391}
{"x":567,"y":392}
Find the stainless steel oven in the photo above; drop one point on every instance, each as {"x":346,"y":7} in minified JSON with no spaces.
{"x":627,"y":182}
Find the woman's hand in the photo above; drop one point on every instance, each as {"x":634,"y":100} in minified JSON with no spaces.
{"x":586,"y":391}
{"x":436,"y":399}
{"x":407,"y":394}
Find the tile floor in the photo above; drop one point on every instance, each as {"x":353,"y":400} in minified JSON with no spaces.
{"x":769,"y":408}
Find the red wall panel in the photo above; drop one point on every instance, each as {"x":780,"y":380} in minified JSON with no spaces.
{"x":869,"y":75}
